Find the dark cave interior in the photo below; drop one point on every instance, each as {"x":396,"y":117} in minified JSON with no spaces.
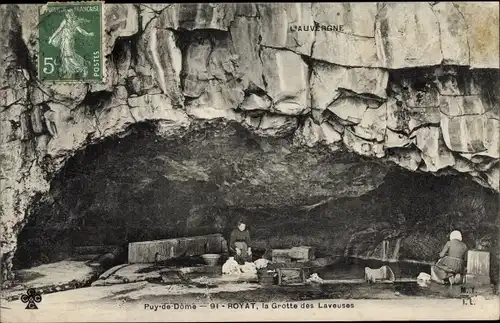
{"x":144,"y":187}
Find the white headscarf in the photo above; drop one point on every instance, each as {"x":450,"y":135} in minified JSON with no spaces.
{"x":456,"y":235}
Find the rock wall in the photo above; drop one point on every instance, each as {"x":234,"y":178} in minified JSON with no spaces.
{"x":413,"y":84}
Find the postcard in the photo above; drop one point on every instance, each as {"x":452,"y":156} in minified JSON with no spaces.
{"x":232,"y":162}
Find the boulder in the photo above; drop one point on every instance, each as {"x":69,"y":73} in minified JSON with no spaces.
{"x":223,"y":61}
{"x":361,"y":146}
{"x":493,"y":177}
{"x":373,"y":124}
{"x":328,"y":81}
{"x":271,"y":125}
{"x":395,"y":139}
{"x":405,"y":157}
{"x":256,"y":102}
{"x":311,"y":134}
{"x":331,"y":133}
{"x":308,"y":134}
{"x":350,"y":109}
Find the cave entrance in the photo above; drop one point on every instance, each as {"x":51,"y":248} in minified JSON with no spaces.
{"x":145,"y":187}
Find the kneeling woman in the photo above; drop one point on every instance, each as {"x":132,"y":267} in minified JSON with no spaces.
{"x":239,"y":243}
{"x":451,"y":262}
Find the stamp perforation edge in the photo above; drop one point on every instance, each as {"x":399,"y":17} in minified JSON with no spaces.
{"x":103,"y":41}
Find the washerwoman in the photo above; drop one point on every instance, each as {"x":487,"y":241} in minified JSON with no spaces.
{"x":239,"y":243}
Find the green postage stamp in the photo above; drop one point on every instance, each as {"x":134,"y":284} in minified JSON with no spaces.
{"x":70,"y":42}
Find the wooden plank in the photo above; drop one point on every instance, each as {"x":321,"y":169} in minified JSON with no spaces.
{"x":405,"y":280}
{"x":152,"y":251}
{"x":478,"y":263}
{"x":362,"y":281}
{"x":343,"y":281}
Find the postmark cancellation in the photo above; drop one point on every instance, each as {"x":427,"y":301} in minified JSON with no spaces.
{"x":70,"y":42}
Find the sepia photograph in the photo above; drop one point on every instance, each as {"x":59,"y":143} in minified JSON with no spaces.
{"x":237,"y":161}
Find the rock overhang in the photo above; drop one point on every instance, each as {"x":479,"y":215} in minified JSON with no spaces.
{"x":368,"y":90}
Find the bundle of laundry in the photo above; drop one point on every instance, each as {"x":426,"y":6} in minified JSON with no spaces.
{"x":231,"y":267}
{"x":423,"y":279}
{"x":248,"y":268}
{"x":261,"y":263}
{"x":314,"y":278}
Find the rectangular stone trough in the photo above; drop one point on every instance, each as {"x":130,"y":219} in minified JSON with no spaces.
{"x":302,"y":253}
{"x":159,"y":250}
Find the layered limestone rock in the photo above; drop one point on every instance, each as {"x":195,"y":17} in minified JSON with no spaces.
{"x":414,"y":85}
{"x":355,"y":45}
